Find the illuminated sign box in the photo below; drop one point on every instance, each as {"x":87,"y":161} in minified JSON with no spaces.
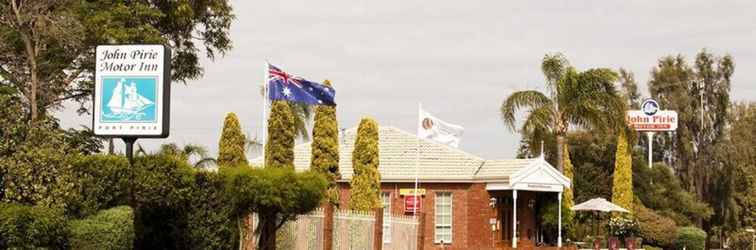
{"x":132,"y":91}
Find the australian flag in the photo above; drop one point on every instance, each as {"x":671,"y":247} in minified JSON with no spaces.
{"x":282,"y":86}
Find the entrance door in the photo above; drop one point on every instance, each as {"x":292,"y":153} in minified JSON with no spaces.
{"x":506,"y":223}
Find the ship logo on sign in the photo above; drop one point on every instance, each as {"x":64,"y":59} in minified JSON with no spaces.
{"x":129,"y":99}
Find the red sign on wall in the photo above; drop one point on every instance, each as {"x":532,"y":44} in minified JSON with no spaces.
{"x":411,"y":203}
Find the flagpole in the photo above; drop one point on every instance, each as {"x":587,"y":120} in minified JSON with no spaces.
{"x":417,"y":160}
{"x":265,"y":108}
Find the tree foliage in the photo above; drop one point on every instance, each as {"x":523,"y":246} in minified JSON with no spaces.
{"x":585,"y":99}
{"x":366,"y":181}
{"x":47,"y":49}
{"x":622,"y":185}
{"x":569,"y":195}
{"x":231,"y":146}
{"x":325,"y":148}
{"x":679,"y":86}
{"x":39,"y":171}
{"x":279,"y":147}
{"x":276,"y":194}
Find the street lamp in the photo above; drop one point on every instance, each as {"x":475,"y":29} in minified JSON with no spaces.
{"x":753,"y":237}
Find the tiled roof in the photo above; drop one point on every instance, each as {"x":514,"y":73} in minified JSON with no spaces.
{"x":398,"y":159}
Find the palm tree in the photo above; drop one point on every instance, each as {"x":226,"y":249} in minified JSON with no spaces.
{"x":188,"y":153}
{"x":584,"y":99}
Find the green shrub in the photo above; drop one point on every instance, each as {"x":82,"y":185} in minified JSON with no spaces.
{"x":180,"y":207}
{"x":655,"y":229}
{"x":210,"y":218}
{"x":28,"y":227}
{"x":692,"y":238}
{"x":101,"y":182}
{"x":108,"y":229}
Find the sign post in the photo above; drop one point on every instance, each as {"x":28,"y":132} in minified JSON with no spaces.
{"x":651,"y":119}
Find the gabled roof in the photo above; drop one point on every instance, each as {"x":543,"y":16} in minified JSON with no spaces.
{"x":398,"y":156}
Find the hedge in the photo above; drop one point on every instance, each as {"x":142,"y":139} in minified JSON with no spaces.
{"x":692,"y":238}
{"x":655,"y":229}
{"x":108,"y":229}
{"x":28,"y":227}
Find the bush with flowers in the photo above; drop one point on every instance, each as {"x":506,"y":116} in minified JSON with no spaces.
{"x":623,"y":227}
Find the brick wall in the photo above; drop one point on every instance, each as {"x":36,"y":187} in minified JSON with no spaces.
{"x":470,"y":212}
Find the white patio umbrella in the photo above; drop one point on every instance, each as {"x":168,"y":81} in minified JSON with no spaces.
{"x":598,"y":205}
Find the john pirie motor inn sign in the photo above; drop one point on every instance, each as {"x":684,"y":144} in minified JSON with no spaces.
{"x":132,"y":91}
{"x":651,"y":118}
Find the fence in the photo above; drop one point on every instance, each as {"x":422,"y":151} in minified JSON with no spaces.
{"x":304,"y":233}
{"x":352,"y":230}
{"x":401,"y":233}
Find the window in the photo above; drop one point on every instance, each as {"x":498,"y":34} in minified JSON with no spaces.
{"x":443,"y":217}
{"x":386,"y":201}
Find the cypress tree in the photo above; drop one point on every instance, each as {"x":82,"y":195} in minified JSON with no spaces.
{"x":622,"y":186}
{"x":366,"y":181}
{"x":325,"y":147}
{"x":279,"y":148}
{"x":568,"y":200}
{"x":231,"y":145}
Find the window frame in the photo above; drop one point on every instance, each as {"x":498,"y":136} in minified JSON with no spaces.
{"x":436,"y":224}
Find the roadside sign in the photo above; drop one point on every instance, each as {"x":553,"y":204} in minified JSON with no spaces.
{"x":132,"y":91}
{"x":651,"y":118}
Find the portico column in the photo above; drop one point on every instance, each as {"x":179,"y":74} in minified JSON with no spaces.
{"x":514,"y":218}
{"x":559,"y":208}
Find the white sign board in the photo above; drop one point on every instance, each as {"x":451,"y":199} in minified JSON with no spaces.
{"x":650,"y":118}
{"x":132,"y":91}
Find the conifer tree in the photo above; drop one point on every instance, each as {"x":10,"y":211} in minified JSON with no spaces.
{"x":568,"y":200}
{"x":622,"y":185}
{"x":231,"y":145}
{"x":366,"y":181}
{"x":325,"y":147}
{"x":279,"y":147}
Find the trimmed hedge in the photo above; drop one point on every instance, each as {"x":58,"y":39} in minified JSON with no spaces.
{"x":108,"y":229}
{"x":101,"y":183}
{"x":692,"y":238}
{"x":28,"y":227}
{"x":655,"y":229}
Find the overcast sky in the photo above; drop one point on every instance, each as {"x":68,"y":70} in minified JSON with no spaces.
{"x":461,"y":59}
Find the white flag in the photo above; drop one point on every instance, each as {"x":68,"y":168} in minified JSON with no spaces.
{"x":430,"y":127}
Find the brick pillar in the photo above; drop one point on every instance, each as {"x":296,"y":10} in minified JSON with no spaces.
{"x":328,"y":226}
{"x":420,"y":230}
{"x":378,"y":229}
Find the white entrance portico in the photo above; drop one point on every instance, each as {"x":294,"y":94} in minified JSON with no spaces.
{"x":539,"y":176}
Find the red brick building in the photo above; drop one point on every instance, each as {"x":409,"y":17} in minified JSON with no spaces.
{"x":467,"y":201}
